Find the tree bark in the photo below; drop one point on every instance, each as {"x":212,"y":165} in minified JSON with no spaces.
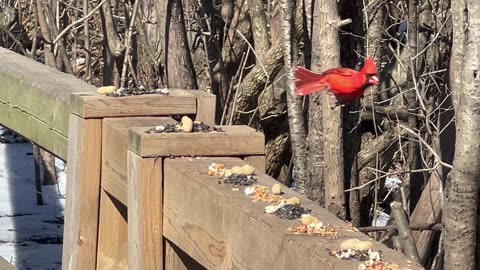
{"x":113,"y":48}
{"x":259,"y":28}
{"x":326,"y":55}
{"x":148,"y":46}
{"x":460,"y":216}
{"x":255,"y":81}
{"x":294,"y":104}
{"x":178,"y":60}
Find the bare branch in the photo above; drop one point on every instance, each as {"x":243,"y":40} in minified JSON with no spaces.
{"x":79,"y":21}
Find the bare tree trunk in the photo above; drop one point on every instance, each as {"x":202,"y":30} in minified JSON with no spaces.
{"x":38,"y":179}
{"x":178,"y":60}
{"x":148,"y":46}
{"x":295,"y":111}
{"x":460,"y":214}
{"x":259,"y":28}
{"x":326,"y":55}
{"x":113,"y":48}
{"x":49,"y":169}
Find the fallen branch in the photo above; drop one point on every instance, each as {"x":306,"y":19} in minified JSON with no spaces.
{"x":413,"y":227}
{"x":390,"y":174}
{"x":391,"y":112}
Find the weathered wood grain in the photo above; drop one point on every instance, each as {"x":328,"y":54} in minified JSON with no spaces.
{"x":35,"y":100}
{"x":34,"y":130}
{"x":114,"y":152}
{"x":38,"y":90}
{"x":145,"y":192}
{"x":177,"y":259}
{"x":83,"y":194}
{"x":112,"y":234}
{"x":223,"y":229}
{"x":235,"y":141}
{"x":92,"y":105}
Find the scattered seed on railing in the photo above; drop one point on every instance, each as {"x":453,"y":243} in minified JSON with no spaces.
{"x":136,"y":91}
{"x":240,"y":180}
{"x":370,"y":265}
{"x":325,"y":230}
{"x":198,"y":127}
{"x":290,"y":211}
{"x":356,"y":254}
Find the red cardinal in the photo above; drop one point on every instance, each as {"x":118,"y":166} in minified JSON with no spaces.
{"x":347,"y":85}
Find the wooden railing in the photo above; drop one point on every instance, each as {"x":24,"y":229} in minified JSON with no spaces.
{"x":138,"y":200}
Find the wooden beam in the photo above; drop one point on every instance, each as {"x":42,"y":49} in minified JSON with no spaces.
{"x":235,"y":141}
{"x":145,"y":242}
{"x":112,"y":234}
{"x":93,"y":105}
{"x":114,"y":152}
{"x":33,"y":129}
{"x":35,"y":100}
{"x":38,"y":90}
{"x":223,"y":229}
{"x":83,"y":194}
{"x":206,"y":106}
{"x":258,"y":162}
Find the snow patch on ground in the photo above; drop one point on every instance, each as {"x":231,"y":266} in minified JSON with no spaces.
{"x":30,"y":234}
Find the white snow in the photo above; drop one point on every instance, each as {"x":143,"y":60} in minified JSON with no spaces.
{"x":30,"y":234}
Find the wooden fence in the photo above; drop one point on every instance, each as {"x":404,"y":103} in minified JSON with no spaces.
{"x":138,"y":200}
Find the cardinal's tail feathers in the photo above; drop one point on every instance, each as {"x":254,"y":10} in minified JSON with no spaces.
{"x":306,"y":88}
{"x":308,"y":82}
{"x":305,"y":74}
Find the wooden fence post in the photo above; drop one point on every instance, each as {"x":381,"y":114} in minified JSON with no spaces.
{"x":145,"y":201}
{"x":83,"y":193}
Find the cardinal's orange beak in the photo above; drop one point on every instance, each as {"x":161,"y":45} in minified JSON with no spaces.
{"x":373,"y":80}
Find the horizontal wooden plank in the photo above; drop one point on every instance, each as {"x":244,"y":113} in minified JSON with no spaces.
{"x":114,"y":152}
{"x":234,"y":141}
{"x":223,"y":229}
{"x":33,"y":129}
{"x":93,"y":105}
{"x":145,"y":191}
{"x":33,"y":91}
{"x":36,"y":101}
